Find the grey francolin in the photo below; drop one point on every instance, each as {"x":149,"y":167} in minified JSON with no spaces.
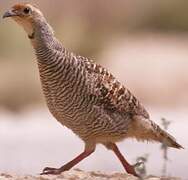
{"x":84,"y":96}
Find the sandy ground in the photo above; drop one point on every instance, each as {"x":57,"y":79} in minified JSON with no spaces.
{"x":81,"y":175}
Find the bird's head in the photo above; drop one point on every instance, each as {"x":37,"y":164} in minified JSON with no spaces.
{"x":25,"y":15}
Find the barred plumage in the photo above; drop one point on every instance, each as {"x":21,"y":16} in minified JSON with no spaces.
{"x":79,"y":90}
{"x":85,"y":96}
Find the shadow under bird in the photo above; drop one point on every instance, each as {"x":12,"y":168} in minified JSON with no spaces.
{"x":84,"y":96}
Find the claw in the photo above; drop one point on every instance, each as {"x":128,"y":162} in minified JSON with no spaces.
{"x":49,"y":170}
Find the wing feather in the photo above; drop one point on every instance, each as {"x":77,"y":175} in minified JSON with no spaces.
{"x":110,"y":93}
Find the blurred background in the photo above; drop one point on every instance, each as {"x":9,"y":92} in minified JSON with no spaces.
{"x":143,"y":43}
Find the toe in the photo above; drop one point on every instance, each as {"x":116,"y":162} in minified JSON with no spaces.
{"x":49,"y":170}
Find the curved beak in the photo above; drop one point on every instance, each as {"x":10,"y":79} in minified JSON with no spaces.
{"x":9,"y":13}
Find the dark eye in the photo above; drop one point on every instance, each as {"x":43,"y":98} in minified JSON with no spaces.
{"x":26,"y":10}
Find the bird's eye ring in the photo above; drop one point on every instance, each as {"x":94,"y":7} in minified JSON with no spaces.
{"x":26,"y":10}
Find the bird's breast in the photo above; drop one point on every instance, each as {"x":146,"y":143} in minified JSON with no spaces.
{"x":66,"y":94}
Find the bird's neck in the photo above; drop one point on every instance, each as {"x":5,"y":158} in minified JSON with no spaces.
{"x":43,"y":39}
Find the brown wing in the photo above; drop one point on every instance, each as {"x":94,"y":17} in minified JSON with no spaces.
{"x":110,"y":93}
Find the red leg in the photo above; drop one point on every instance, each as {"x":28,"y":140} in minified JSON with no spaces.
{"x":129,"y":168}
{"x":69,"y":165}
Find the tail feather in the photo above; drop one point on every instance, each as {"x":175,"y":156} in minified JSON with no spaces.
{"x":145,"y":129}
{"x":167,"y":139}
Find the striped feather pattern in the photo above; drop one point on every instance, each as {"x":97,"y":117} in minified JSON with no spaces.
{"x":83,"y":95}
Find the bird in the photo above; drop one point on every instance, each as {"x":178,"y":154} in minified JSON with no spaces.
{"x":84,"y":96}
